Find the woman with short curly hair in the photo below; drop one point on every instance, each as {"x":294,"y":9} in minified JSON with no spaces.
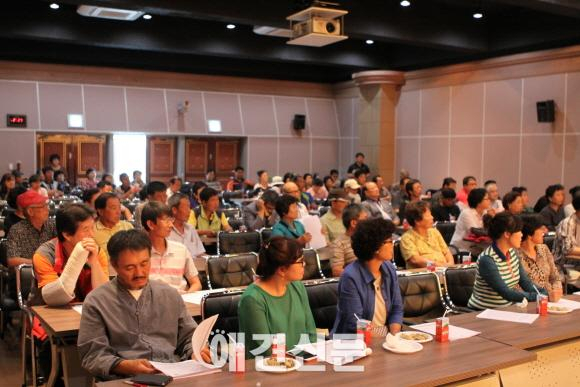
{"x":368,"y":288}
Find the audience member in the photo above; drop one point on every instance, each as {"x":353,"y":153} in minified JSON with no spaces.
{"x":131,"y":320}
{"x":471,"y":217}
{"x":262,"y":184}
{"x":317,"y":190}
{"x":277,"y":301}
{"x":61,"y":184}
{"x":332,"y":220}
{"x":536,"y":257}
{"x":423,"y":244}
{"x":308,"y":181}
{"x":54,"y":162}
{"x":500,"y":278}
{"x":125,"y":190}
{"x":48,"y":182}
{"x":341,"y":246}
{"x":413,"y":190}
{"x":494,"y":196}
{"x":567,"y":243}
{"x":171,"y":262}
{"x":17,"y":215}
{"x":261,"y":212}
{"x":334,"y":176}
{"x":569,"y":208}
{"x":196,"y":189}
{"x":108,"y":207}
{"x":277,"y":183}
{"x":469,"y":183}
{"x":525,"y":198}
{"x":361,"y":177}
{"x":352,"y":189}
{"x":377,"y":207}
{"x":292,"y":189}
{"x":383,"y":190}
{"x":182,"y":231}
{"x":68,"y":267}
{"x":398,"y":192}
{"x":553,"y":213}
{"x":207,"y":219}
{"x":211,"y":181}
{"x":27,"y":235}
{"x":305,"y":197}
{"x":156,"y":192}
{"x":359,"y":164}
{"x":368,"y":288}
{"x":90,"y":196}
{"x":328,"y":183}
{"x":238,"y":182}
{"x":7,"y":184}
{"x":513,"y":202}
{"x":34,"y":182}
{"x":174,"y":186}
{"x":137,"y":181}
{"x":445,"y":210}
{"x":288,"y":227}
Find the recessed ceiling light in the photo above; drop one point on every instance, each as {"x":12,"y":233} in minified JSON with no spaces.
{"x":369,"y":41}
{"x":147,"y":16}
{"x":477,"y":15}
{"x":54,"y":6}
{"x":405,"y":3}
{"x":231,"y":26}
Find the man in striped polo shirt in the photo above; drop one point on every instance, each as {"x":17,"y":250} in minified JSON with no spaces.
{"x":171,"y":262}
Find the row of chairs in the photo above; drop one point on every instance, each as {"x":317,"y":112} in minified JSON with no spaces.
{"x":422,"y":294}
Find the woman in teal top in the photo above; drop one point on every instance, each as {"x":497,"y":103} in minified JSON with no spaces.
{"x":288,"y":227}
{"x":277,"y":302}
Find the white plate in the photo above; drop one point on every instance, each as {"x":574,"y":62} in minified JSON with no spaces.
{"x":416,"y":348}
{"x":568,"y":310}
{"x":400,"y":336}
{"x":261,"y":366}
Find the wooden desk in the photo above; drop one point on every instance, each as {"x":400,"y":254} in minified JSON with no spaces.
{"x":545,"y":330}
{"x":437,"y":364}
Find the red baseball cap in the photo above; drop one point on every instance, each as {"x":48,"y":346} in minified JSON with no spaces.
{"x":30,"y":198}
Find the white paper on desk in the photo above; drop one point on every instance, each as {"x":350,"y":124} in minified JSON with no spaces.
{"x":201,"y":335}
{"x":522,"y":318}
{"x":196,"y":297}
{"x":78,"y":309}
{"x":313,"y":226}
{"x":455,"y":332}
{"x":577,"y":293}
{"x":566,"y":303}
{"x":185,"y":369}
{"x":337,"y":352}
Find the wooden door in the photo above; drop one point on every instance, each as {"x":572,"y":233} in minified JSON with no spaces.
{"x":226,"y":158}
{"x":196,"y":159}
{"x":90,"y":153}
{"x":161,"y":160}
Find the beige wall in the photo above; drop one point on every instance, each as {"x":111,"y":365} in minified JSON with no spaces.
{"x":480,"y":119}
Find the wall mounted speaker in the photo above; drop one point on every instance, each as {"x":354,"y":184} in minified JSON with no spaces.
{"x":546,"y":111}
{"x":299,"y":122}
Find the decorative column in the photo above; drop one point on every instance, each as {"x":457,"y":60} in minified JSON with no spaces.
{"x":379,"y":93}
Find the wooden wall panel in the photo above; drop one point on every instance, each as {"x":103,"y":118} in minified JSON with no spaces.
{"x":196,"y":159}
{"x":161,"y":161}
{"x":226,"y":157}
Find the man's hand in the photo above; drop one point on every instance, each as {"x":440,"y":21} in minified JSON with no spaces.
{"x":91,"y":246}
{"x":134,"y":367}
{"x":304,"y":239}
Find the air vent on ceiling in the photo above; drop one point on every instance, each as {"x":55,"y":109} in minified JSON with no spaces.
{"x":109,"y":13}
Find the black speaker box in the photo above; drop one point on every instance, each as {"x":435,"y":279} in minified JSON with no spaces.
{"x":299,"y":122}
{"x":546,"y":111}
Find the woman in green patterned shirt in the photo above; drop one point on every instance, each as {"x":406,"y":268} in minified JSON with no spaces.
{"x":500,"y":279}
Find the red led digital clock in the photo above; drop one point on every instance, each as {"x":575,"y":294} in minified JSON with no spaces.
{"x":16,"y":120}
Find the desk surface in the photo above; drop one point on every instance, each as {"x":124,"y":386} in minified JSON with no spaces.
{"x":438,"y":363}
{"x":65,"y":321}
{"x":545,"y":330}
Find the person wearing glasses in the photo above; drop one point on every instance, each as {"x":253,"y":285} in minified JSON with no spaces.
{"x":500,"y":278}
{"x":368,"y":288}
{"x":472,"y":217}
{"x":277,"y":301}
{"x":171,"y":261}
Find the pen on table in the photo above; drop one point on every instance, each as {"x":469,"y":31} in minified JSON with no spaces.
{"x":134,"y":384}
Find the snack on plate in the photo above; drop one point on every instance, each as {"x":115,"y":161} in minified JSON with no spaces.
{"x":272,"y":361}
{"x":558,"y":308}
{"x":414,"y":336}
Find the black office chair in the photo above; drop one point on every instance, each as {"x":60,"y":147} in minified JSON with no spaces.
{"x":238,"y":242}
{"x":323,"y":210}
{"x":549,"y":239}
{"x":459,"y":283}
{"x":25,"y":281}
{"x":323,"y":300}
{"x":398,"y":256}
{"x":312,"y":267}
{"x":422,"y":297}
{"x":226,"y":305}
{"x":8,"y":301}
{"x":446,"y":229}
{"x":265,"y":234}
{"x":231,"y":271}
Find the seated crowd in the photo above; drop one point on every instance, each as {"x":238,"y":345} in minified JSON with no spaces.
{"x":128,"y":267}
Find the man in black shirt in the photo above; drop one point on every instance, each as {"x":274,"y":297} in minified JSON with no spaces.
{"x":446,"y":210}
{"x":359,"y":164}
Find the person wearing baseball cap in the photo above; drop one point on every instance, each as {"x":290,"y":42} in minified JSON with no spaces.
{"x":332,"y":220}
{"x":352,"y":189}
{"x":27,"y":235}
